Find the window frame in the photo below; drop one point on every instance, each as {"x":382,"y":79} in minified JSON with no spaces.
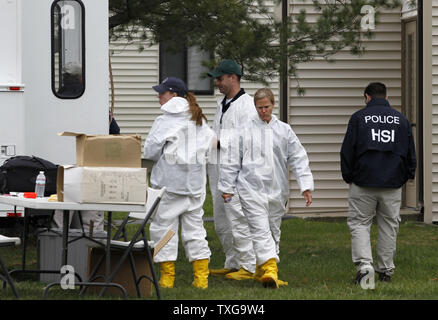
{"x":52,"y":52}
{"x":209,"y":92}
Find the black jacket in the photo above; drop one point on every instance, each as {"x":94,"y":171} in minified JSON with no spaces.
{"x":378,"y":148}
{"x":114,"y":127}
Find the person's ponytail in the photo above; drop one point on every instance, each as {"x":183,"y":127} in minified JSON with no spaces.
{"x":195,"y":109}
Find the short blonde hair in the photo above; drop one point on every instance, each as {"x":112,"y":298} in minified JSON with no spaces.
{"x":264,"y":93}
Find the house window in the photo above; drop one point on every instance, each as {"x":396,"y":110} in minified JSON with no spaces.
{"x":68,"y":48}
{"x":186,"y":64}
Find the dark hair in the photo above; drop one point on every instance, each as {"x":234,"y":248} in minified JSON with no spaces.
{"x":376,"y":90}
{"x":195,"y":109}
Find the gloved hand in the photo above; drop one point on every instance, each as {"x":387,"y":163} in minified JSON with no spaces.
{"x":308,"y":197}
{"x":227,"y":197}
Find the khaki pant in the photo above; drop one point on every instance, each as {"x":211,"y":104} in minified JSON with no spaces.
{"x":363,"y":202}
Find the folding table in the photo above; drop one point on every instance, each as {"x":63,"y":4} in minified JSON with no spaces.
{"x":43,"y":203}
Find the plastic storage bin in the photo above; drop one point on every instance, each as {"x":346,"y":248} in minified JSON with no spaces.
{"x":49,"y":250}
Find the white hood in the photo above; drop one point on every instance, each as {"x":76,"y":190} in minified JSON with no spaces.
{"x":176,"y":105}
{"x":179,"y":149}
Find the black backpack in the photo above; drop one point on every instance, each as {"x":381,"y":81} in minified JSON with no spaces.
{"x":19,"y":174}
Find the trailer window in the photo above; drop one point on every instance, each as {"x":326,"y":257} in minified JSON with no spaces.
{"x":68,"y":48}
{"x":186,"y":64}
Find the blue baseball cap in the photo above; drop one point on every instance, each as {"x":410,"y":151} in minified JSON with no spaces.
{"x":172,"y":84}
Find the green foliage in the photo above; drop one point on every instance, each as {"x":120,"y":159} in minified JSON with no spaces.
{"x":243,"y":30}
{"x":315,"y":258}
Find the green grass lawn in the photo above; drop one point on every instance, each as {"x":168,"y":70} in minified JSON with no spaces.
{"x":315,"y":260}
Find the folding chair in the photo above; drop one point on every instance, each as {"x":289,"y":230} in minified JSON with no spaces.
{"x":138,"y":243}
{"x":4,"y":242}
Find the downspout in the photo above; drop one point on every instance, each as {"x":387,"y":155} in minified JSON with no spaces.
{"x":420,"y":147}
{"x":425,"y":15}
{"x":284,"y":83}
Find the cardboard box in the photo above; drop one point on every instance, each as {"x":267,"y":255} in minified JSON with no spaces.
{"x":106,"y":150}
{"x":124,"y":275}
{"x":102,"y":185}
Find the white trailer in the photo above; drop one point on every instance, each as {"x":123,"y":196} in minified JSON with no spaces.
{"x":53,"y":76}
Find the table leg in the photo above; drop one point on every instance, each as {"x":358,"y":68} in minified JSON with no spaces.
{"x":65,"y":220}
{"x":25,"y":240}
{"x":108,"y":255}
{"x":25,"y":235}
{"x":108,"y":248}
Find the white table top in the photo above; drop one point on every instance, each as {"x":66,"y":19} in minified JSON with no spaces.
{"x":44,"y":203}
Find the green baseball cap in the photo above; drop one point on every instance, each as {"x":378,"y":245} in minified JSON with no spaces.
{"x":226,"y":66}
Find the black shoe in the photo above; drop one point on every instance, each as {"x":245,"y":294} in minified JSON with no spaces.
{"x":359,"y":276}
{"x":384,"y":277}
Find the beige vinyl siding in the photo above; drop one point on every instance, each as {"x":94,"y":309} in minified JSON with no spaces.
{"x":431,"y":113}
{"x":334,"y":91}
{"x":134,"y":74}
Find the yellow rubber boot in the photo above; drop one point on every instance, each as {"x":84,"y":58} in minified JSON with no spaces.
{"x":282,"y":283}
{"x":270,"y":274}
{"x":242,"y":274}
{"x":221,"y":272}
{"x":200,"y":274}
{"x":167,"y":270}
{"x":258,"y":274}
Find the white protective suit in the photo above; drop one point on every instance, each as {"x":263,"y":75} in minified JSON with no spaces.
{"x":230,"y":222}
{"x":179,"y":149}
{"x":260,"y":176}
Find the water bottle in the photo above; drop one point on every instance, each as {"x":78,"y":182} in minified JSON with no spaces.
{"x":40,"y":184}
